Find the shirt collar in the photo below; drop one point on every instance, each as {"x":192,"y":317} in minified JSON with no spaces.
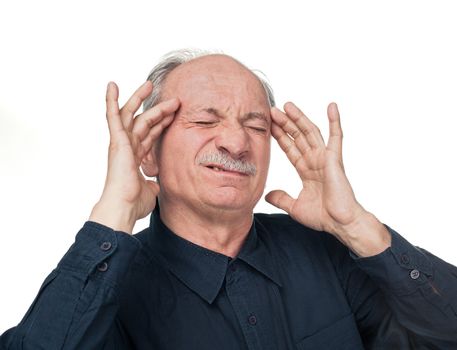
{"x":201,"y":269}
{"x":259,"y":254}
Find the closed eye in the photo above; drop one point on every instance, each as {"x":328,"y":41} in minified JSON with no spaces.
{"x":205,"y":122}
{"x":258,"y":129}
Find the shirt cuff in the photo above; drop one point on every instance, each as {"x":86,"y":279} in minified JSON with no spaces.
{"x":401,"y":269}
{"x":100,"y":250}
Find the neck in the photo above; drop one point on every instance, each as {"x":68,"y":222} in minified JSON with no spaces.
{"x":219,"y":230}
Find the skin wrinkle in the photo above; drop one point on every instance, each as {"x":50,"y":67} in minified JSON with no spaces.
{"x":248,"y":116}
{"x":223,"y":110}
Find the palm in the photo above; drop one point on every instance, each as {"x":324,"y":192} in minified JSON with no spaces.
{"x":125,"y":160}
{"x":132,"y":139}
{"x":327,"y":199}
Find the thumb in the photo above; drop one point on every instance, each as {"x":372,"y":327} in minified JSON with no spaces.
{"x":281,"y":200}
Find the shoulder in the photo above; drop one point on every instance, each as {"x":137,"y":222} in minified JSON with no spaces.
{"x":142,"y":236}
{"x":145,"y":258}
{"x":282,"y":226}
{"x":147,"y":271}
{"x":280,"y":230}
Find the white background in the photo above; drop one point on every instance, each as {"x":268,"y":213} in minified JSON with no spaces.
{"x":390,"y":66}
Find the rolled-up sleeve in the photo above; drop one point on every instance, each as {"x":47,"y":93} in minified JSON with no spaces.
{"x":76,"y":306}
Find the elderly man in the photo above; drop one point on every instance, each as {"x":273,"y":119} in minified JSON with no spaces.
{"x":207,"y":273}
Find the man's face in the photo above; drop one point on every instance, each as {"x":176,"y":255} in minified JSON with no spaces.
{"x":215,"y":154}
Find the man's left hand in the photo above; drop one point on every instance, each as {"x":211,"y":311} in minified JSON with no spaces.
{"x":327,"y":201}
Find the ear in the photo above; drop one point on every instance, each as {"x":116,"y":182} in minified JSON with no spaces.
{"x":149,"y":165}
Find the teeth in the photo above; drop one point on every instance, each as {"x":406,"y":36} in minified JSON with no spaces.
{"x":217,"y":169}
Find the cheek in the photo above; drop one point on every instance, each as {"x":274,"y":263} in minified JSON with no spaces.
{"x":263,"y":150}
{"x":264,"y":158}
{"x":181,"y":146}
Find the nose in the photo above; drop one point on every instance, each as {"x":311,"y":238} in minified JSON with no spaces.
{"x":233,"y":140}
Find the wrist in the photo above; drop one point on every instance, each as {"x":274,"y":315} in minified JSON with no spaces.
{"x":113,"y":215}
{"x":365,"y":236}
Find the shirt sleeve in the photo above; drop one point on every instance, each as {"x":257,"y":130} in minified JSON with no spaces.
{"x":77,"y":304}
{"x":409,"y":299}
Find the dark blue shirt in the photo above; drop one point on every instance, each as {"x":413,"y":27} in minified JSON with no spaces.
{"x":290,"y":287}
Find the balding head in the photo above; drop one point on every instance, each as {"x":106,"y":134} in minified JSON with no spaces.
{"x":175,"y":59}
{"x":220,"y":76}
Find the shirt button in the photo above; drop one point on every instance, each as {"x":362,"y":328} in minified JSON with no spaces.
{"x":252,"y":320}
{"x":102,"y":267}
{"x":414,"y":274}
{"x":105,"y":246}
{"x":404,"y":258}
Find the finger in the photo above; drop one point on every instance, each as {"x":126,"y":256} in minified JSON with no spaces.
{"x":335,"y":139}
{"x":112,"y":109}
{"x":290,"y":128}
{"x":286,"y":144}
{"x":147,"y":120}
{"x":281,"y":200}
{"x":134,"y":103}
{"x":306,"y":126}
{"x":154,"y":133}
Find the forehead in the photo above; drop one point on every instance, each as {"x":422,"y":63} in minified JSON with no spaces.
{"x":215,"y":79}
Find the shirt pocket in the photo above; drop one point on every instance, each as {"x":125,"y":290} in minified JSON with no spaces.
{"x":342,"y":335}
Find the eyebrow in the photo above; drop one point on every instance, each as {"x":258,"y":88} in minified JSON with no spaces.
{"x":247,"y":116}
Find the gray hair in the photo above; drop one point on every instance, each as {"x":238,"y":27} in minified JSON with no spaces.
{"x":175,"y":58}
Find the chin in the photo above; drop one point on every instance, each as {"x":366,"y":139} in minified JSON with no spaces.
{"x":230,"y":201}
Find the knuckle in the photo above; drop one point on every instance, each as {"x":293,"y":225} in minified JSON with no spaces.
{"x":307,"y":131}
{"x":151,"y":123}
{"x":160,"y":110}
{"x":287,"y":147}
{"x":295,"y":133}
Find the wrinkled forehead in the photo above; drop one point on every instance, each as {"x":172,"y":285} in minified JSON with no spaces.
{"x":216,"y":79}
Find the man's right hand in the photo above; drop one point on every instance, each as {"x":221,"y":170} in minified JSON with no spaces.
{"x":127,"y":195}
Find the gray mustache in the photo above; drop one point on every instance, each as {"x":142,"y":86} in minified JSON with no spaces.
{"x":228,"y":163}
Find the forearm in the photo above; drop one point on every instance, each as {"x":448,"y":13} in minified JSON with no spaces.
{"x":366,"y":236}
{"x":113,"y":215}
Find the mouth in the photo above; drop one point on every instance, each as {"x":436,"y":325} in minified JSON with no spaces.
{"x":220,"y":169}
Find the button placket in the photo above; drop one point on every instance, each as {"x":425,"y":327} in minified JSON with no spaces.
{"x":252,"y":319}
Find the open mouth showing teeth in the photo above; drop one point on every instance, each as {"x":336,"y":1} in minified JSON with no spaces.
{"x":212,"y":167}
{"x":216,"y":168}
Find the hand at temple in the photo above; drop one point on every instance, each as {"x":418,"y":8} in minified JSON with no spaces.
{"x":127,"y":195}
{"x":327,"y":201}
